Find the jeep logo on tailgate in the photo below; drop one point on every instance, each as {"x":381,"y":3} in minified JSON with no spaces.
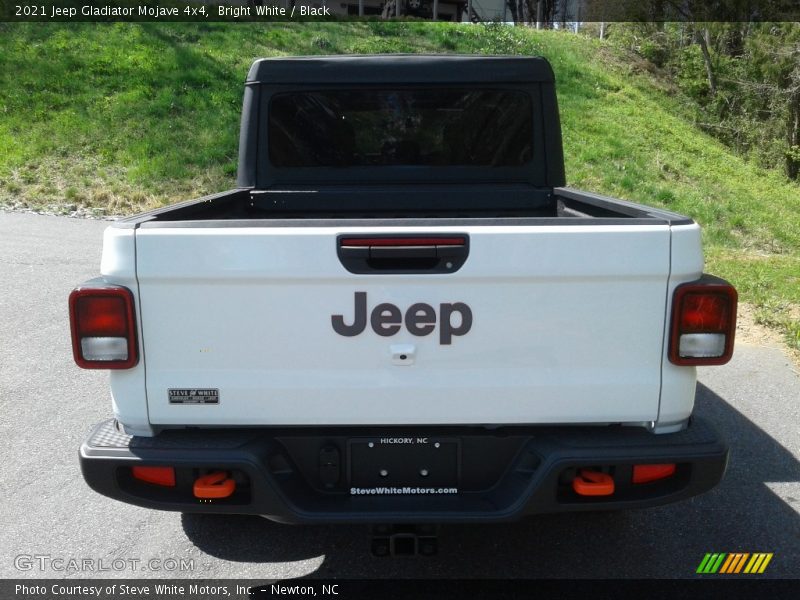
{"x":420,"y":319}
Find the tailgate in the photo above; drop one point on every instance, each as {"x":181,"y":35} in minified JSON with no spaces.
{"x":566,"y":326}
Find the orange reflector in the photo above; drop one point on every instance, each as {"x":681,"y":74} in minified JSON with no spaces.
{"x":156,"y":475}
{"x":593,"y":483}
{"x":214,"y":485}
{"x":648,"y":473}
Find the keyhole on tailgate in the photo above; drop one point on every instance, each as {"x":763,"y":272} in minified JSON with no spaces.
{"x":403,"y":354}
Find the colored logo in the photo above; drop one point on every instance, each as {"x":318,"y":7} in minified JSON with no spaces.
{"x":734,"y":563}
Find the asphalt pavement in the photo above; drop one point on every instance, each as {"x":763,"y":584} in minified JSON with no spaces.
{"x":51,"y":517}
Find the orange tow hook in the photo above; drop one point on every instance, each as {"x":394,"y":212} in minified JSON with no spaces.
{"x":593,"y":483}
{"x":214,"y":485}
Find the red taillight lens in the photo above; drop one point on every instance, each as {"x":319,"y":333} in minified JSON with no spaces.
{"x":101,"y":316}
{"x":648,"y":473}
{"x":705,"y":312}
{"x":703,"y":322}
{"x":103,"y":327}
{"x":156,"y":475}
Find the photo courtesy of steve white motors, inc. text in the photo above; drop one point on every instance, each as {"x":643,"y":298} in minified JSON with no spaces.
{"x":102,"y":589}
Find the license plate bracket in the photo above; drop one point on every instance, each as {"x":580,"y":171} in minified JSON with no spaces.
{"x":404,"y":462}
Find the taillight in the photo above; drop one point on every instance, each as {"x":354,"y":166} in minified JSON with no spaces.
{"x":103,"y":327}
{"x":703,"y":322}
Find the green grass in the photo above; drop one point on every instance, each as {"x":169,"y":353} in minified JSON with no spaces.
{"x":121,"y":117}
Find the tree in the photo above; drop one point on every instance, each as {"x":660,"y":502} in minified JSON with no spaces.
{"x":744,"y":78}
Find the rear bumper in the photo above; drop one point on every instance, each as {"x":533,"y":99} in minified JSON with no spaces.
{"x":501,"y":474}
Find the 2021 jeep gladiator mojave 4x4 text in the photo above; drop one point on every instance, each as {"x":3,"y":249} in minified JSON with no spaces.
{"x":401,"y":316}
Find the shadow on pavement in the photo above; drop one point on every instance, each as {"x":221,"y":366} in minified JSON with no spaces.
{"x":741,"y":515}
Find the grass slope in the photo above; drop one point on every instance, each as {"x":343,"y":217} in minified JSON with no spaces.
{"x":125,"y":116}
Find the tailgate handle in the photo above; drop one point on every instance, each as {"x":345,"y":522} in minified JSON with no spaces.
{"x":403,"y":254}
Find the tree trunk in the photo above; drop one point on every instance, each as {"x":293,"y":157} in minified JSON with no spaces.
{"x":793,"y":136}
{"x":703,"y":38}
{"x":512,"y":6}
{"x":658,"y":14}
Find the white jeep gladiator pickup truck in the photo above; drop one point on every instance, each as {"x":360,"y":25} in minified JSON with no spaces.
{"x":400,"y":315}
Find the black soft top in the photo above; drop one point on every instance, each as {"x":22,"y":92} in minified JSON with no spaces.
{"x":401,"y":68}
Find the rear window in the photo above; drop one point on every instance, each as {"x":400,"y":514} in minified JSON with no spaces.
{"x":413,"y":127}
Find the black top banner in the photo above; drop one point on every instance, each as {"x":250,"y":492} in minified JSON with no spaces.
{"x":529,"y":11}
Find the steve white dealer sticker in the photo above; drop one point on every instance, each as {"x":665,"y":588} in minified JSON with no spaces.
{"x":193,"y":396}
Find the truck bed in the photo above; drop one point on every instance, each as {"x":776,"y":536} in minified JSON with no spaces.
{"x":376,"y":205}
